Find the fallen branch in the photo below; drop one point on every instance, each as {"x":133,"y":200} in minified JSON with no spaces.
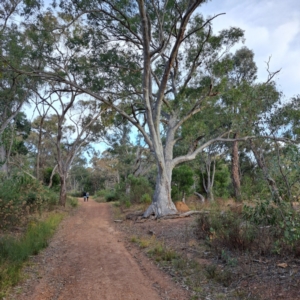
{"x":185,"y":214}
{"x":200,"y":196}
{"x":192,"y":212}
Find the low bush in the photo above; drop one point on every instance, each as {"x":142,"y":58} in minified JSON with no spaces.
{"x":20,"y":196}
{"x":111,"y":196}
{"x":73,"y":202}
{"x":226,"y":229}
{"x":146,"y":199}
{"x":76,"y":194}
{"x":265,"y":228}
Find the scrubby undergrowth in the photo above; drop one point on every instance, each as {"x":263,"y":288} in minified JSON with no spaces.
{"x":230,"y":251}
{"x":15,"y":250}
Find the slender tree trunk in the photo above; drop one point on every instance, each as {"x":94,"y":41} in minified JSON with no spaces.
{"x":51,"y":177}
{"x":63,"y":190}
{"x":263,"y":167}
{"x":183,"y":197}
{"x":210,"y":178}
{"x":3,"y":161}
{"x":39,"y":149}
{"x":235,"y":174}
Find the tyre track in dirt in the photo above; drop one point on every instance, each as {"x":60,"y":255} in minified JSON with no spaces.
{"x":87,"y":259}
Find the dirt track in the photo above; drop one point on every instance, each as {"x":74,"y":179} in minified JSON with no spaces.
{"x":87,"y":259}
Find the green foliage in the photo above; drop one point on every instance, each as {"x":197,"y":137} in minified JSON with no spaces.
{"x":146,"y":198}
{"x":265,"y":228}
{"x":21,"y":195}
{"x":73,"y":202}
{"x":222,"y":181}
{"x":138,"y":187}
{"x":221,"y":185}
{"x":13,"y":251}
{"x":111,"y":196}
{"x":227,"y":229}
{"x":76,"y":194}
{"x":47,"y":175}
{"x":182,"y":180}
{"x":263,"y":212}
{"x":253,"y":185}
{"x":284,"y":220}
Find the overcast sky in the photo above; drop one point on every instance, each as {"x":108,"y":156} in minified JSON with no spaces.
{"x":272,"y":28}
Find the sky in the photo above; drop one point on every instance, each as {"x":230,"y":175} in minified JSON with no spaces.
{"x":272,"y":29}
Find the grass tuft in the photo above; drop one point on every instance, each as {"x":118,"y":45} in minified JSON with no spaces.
{"x":14,"y":252}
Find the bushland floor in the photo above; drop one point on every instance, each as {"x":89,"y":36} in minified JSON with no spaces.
{"x":93,"y":257}
{"x":215,"y":273}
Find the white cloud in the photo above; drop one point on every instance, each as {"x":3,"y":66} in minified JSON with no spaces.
{"x":272,"y":28}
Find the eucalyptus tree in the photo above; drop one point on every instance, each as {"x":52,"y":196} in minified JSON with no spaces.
{"x":240,"y":70}
{"x":42,"y":110}
{"x":150,"y":61}
{"x":77,"y":122}
{"x":284,"y":157}
{"x":13,"y":142}
{"x":14,"y":88}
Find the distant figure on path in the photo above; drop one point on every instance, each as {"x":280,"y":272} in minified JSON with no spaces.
{"x":87,"y":196}
{"x":84,"y":196}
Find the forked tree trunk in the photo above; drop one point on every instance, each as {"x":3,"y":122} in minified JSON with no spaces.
{"x":235,"y":175}
{"x":209,"y":182}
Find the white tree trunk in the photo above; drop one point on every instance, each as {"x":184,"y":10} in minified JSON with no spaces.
{"x":162,"y":203}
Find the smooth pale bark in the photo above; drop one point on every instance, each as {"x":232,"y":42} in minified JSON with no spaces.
{"x":200,"y":196}
{"x":51,"y":177}
{"x":210,"y":174}
{"x":235,"y":174}
{"x":160,"y":207}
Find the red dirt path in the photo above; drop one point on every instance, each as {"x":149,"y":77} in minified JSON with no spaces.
{"x":87,"y":259}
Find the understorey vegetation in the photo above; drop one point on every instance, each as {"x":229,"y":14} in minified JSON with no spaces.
{"x":16,"y":249}
{"x":229,"y":251}
{"x":261,"y":229}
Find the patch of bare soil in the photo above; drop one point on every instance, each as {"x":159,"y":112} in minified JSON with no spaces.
{"x":241,"y":276}
{"x":88,"y":258}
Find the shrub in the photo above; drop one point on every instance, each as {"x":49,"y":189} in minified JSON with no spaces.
{"x":111,"y":196}
{"x":266,"y":228}
{"x":146,"y":198}
{"x":73,"y":202}
{"x":21,"y":195}
{"x":76,"y":194}
{"x":226,"y":229}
